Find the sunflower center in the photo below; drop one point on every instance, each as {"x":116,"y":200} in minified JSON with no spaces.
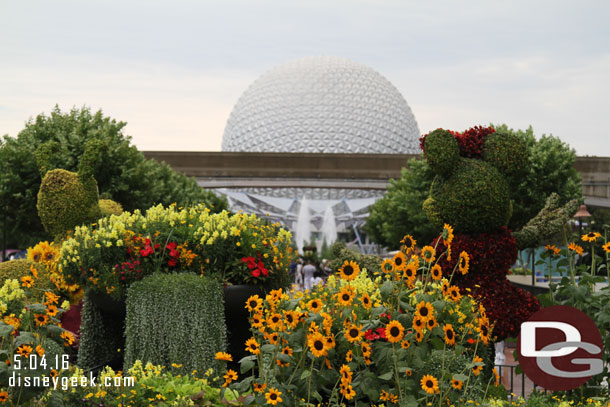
{"x":273,"y":396}
{"x":348,"y":270}
{"x":484,"y":330}
{"x":345,"y":297}
{"x":449,"y":334}
{"x":353,"y":333}
{"x":394,"y":331}
{"x":429,"y":383}
{"x":318,"y":345}
{"x":289,"y":318}
{"x":424,"y":311}
{"x":398,"y":261}
{"x":253,"y":304}
{"x":275,"y":320}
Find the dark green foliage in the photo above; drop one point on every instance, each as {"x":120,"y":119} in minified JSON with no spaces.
{"x":473,"y":199}
{"x":547,"y":223}
{"x":109,"y":207}
{"x":122,"y":172}
{"x":175,"y":318}
{"x":101,"y":336}
{"x":507,"y":152}
{"x":65,"y":202}
{"x":550,"y":169}
{"x":400,"y":211}
{"x":442,"y":152}
{"x":366,"y":261}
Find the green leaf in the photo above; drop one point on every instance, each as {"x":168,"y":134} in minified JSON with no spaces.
{"x":460,"y":377}
{"x":305,"y":374}
{"x":386,"y":376}
{"x":268,"y":348}
{"x":386,"y":290}
{"x":246,"y":364}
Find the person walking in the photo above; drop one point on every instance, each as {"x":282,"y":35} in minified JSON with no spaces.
{"x":308,"y":271}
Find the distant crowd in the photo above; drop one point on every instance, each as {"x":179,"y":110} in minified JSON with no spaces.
{"x":307,"y":273}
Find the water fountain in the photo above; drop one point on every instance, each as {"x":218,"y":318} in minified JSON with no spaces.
{"x":329,"y":226}
{"x":303,"y":229}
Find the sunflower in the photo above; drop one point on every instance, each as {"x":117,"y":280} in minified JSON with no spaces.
{"x":464,"y":262}
{"x":366,"y":349}
{"x":429,"y":384}
{"x":591,"y":237}
{"x":365,"y":299}
{"x":478,"y":368}
{"x":349,"y":270}
{"x":447,"y":234}
{"x":317,"y":344}
{"x":449,"y":334}
{"x":405,"y":344}
{"x":552,"y":249}
{"x":34,"y":271}
{"x":35,"y":254}
{"x":456,"y":384}
{"x":229,"y":377}
{"x":287,"y":350}
{"x":257,"y":320}
{"x":315,"y":305}
{"x":484,"y":331}
{"x":67,"y":337}
{"x":419,"y":336}
{"x":349,"y":356}
{"x":224,"y":356}
{"x":291,"y":318}
{"x":419,"y":323}
{"x":387,"y":266}
{"x":425,"y":310}
{"x":575,"y":248}
{"x":347,"y":390}
{"x":436,"y":272}
{"x":454,"y":293}
{"x":409,"y":271}
{"x":346,"y":295}
{"x":3,"y":396}
{"x":346,"y":374}
{"x":39,"y":350}
{"x":24,"y":350}
{"x":431,"y":323}
{"x":27,"y":281}
{"x":272,"y":337}
{"x":41,"y":319}
{"x":400,"y":261}
{"x":274,"y":320}
{"x":54,"y":373}
{"x":394,"y":331}
{"x":51,"y":298}
{"x":252,"y":346}
{"x":606,"y":247}
{"x":408,"y":243}
{"x":444,"y":287}
{"x":353,"y":333}
{"x":428,"y":254}
{"x":51,"y":310}
{"x":273,"y":396}
{"x":259,"y":388}
{"x":254,"y":303}
{"x":496,"y":375}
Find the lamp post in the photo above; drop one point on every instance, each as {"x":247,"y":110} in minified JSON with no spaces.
{"x":581,"y":213}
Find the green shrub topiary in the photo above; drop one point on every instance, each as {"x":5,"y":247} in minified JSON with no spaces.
{"x":173,"y":320}
{"x":64,"y":201}
{"x":109,"y":207}
{"x":369,"y":262}
{"x":507,"y":153}
{"x":15,"y":269}
{"x":442,"y":152}
{"x":101,"y":336}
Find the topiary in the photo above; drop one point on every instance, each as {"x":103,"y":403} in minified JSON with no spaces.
{"x":67,"y":199}
{"x":175,"y":319}
{"x":369,"y":262}
{"x":109,"y":207}
{"x":15,"y":269}
{"x":473,"y":196}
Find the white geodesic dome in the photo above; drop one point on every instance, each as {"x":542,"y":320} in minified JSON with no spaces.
{"x":322,"y":105}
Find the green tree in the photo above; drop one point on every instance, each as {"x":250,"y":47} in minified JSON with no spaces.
{"x":123,"y":173}
{"x":400,"y":211}
{"x":551,"y":169}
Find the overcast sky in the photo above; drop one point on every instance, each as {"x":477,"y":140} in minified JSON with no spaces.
{"x":174,"y":70}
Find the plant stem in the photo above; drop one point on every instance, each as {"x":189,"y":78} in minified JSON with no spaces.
{"x":309,"y":381}
{"x":396,"y":374}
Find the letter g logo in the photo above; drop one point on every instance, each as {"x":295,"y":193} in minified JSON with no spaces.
{"x":552,"y":345}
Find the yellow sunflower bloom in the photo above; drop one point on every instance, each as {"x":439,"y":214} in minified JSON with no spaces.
{"x":464,"y":262}
{"x":576,"y":248}
{"x":478,"y":368}
{"x":449,"y":334}
{"x":591,"y":237}
{"x":252,"y":346}
{"x":273,"y":396}
{"x":408,"y":243}
{"x":224,"y":356}
{"x":456,"y":384}
{"x":429,"y":384}
{"x":428,"y":254}
{"x":346,"y":295}
{"x":436,"y":272}
{"x":425,"y":310}
{"x":394,"y":331}
{"x":349,"y":270}
{"x":317,"y":344}
{"x":387,"y":266}
{"x":254,"y":303}
{"x":400,"y":261}
{"x":353,"y":333}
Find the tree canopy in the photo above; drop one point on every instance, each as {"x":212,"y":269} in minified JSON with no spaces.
{"x":123,"y":174}
{"x":550,"y":169}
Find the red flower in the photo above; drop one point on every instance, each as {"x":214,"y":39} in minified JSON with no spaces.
{"x":371,"y":335}
{"x":251,"y":262}
{"x":146,"y":251}
{"x":172,"y":262}
{"x":256,"y":273}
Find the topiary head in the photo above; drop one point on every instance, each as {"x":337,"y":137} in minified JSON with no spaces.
{"x":474,"y":172}
{"x":109,"y":207}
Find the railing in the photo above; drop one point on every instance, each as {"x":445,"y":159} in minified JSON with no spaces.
{"x":517,"y":385}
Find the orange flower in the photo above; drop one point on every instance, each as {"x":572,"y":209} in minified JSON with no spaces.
{"x":575,"y":248}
